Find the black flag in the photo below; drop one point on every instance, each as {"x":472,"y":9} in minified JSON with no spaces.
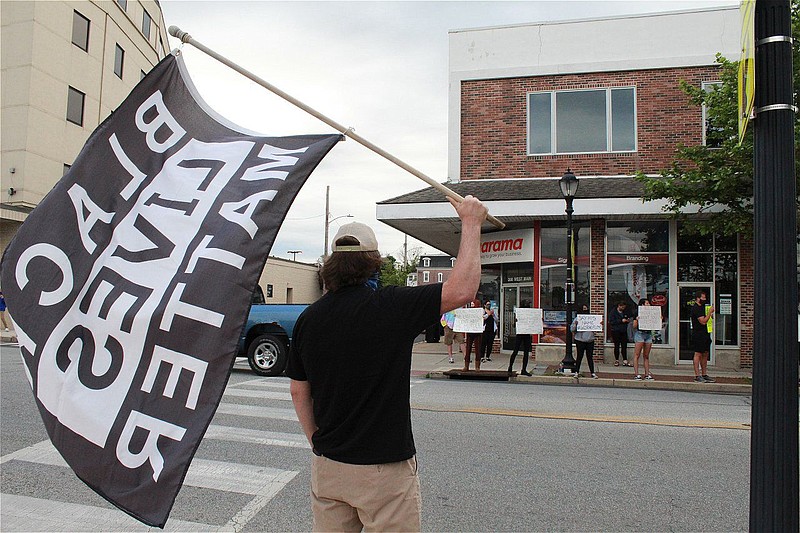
{"x":129,"y":284}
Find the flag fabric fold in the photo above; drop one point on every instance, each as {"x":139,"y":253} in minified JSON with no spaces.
{"x":129,"y":284}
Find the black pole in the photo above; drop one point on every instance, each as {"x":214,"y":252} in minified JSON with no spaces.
{"x":568,"y":364}
{"x":774,"y":437}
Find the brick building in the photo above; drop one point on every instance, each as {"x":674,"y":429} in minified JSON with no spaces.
{"x":602,"y":98}
{"x":434,"y":268}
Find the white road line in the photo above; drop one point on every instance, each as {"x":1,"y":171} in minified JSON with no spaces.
{"x":204,"y":473}
{"x":23,"y":513}
{"x":260,"y":394}
{"x":253,"y":436}
{"x":263,"y":382}
{"x":256,"y":411}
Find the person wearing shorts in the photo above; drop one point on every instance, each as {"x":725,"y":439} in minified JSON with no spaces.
{"x":701,"y":338}
{"x":451,"y":336}
{"x":644,"y":343}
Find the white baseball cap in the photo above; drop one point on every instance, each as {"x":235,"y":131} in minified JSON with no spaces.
{"x":360,"y":232}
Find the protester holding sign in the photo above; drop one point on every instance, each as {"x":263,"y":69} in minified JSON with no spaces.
{"x":618,"y":318}
{"x":584,"y":342}
{"x":474,"y":334}
{"x":700,"y":315}
{"x":489,"y":331}
{"x":644,"y":337}
{"x":523,"y":341}
{"x":350,"y":363}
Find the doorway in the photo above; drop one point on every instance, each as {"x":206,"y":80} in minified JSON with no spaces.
{"x":513,"y":296}
{"x":687,"y":297}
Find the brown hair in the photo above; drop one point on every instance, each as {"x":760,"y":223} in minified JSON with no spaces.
{"x":344,"y":269}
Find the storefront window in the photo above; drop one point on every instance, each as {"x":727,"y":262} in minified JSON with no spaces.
{"x":726,"y":329}
{"x":638,"y":267}
{"x":707,"y":258}
{"x":637,"y":237}
{"x":553,"y":276}
{"x":489,"y":289}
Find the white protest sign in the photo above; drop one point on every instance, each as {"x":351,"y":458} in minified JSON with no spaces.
{"x":649,"y":317}
{"x":590,"y":323}
{"x":529,"y":321}
{"x":469,"y":320}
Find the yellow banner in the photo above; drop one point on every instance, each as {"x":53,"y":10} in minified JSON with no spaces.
{"x":747,"y":66}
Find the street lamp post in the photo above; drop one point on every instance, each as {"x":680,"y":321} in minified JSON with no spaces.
{"x":569,"y":187}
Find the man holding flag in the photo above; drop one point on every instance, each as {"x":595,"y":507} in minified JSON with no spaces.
{"x":350,"y":364}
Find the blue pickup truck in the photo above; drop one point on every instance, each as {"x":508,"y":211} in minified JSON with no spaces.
{"x":266,"y":335}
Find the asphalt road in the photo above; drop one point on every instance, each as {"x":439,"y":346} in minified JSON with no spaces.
{"x":493,"y":457}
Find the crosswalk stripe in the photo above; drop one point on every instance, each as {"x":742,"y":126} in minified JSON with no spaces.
{"x":24,"y":513}
{"x":204,"y":473}
{"x":261,"y":394}
{"x":253,"y":436}
{"x":271,"y":383}
{"x":256,"y":411}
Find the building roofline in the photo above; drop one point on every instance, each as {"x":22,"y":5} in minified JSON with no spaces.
{"x":596,"y":19}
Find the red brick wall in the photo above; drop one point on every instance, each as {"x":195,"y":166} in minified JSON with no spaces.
{"x":598,"y":280}
{"x":494,"y":124}
{"x":746,"y":301}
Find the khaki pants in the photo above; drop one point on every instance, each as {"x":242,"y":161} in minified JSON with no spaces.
{"x":383,"y":497}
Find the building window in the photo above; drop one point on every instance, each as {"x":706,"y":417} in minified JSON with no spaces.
{"x":426,"y":277}
{"x":80,"y":31}
{"x":123,"y":4}
{"x":119,"y":60}
{"x":75,"y":102}
{"x":637,"y":263}
{"x":584,"y":121}
{"x":712,"y":134}
{"x":452,"y":262}
{"x":439,"y":277}
{"x":66,"y":169}
{"x":426,"y":262}
{"x":714,"y":259}
{"x":553,"y":276}
{"x":146,"y":23}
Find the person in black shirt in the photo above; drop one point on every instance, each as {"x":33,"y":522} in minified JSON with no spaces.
{"x":350,"y":363}
{"x":618,"y":319}
{"x":701,"y":338}
{"x":487,"y":342}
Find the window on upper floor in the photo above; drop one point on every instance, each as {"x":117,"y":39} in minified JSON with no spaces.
{"x":452,"y":262}
{"x":80,"y":31}
{"x":582,"y":121}
{"x":119,"y":60}
{"x":426,"y":262}
{"x":712,"y":134}
{"x":75,"y":102}
{"x":147,"y":22}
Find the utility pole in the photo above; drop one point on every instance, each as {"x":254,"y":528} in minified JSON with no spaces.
{"x":327,"y":218}
{"x":774,"y":435}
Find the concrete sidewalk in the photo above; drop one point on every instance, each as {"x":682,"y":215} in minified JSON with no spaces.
{"x":430,"y":360}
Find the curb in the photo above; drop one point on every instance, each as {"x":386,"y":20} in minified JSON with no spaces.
{"x":688,"y":386}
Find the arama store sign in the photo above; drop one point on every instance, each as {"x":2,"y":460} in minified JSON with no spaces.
{"x":507,"y":247}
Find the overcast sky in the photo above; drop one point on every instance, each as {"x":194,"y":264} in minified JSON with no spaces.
{"x":379,"y":67}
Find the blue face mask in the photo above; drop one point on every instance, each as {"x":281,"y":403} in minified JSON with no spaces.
{"x":373,"y":281}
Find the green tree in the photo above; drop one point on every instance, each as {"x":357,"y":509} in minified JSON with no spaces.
{"x":720,"y":173}
{"x":394,"y":272}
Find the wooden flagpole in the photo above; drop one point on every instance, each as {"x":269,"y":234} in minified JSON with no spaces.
{"x":348,"y":132}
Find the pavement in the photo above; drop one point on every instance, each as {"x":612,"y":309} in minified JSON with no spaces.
{"x":430,"y":360}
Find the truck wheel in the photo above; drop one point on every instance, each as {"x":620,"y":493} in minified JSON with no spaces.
{"x":266,"y":355}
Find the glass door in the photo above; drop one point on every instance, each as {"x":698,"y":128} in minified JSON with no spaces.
{"x":687,"y":297}
{"x":513,"y":297}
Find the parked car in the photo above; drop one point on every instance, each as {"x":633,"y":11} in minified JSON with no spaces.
{"x":266,"y":335}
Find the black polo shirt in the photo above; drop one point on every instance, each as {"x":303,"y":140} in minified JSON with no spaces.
{"x":353,"y":346}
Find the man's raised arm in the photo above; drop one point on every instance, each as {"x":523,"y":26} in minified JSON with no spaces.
{"x":461,"y":286}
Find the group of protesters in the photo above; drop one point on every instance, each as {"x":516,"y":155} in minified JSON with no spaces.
{"x":481,"y":343}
